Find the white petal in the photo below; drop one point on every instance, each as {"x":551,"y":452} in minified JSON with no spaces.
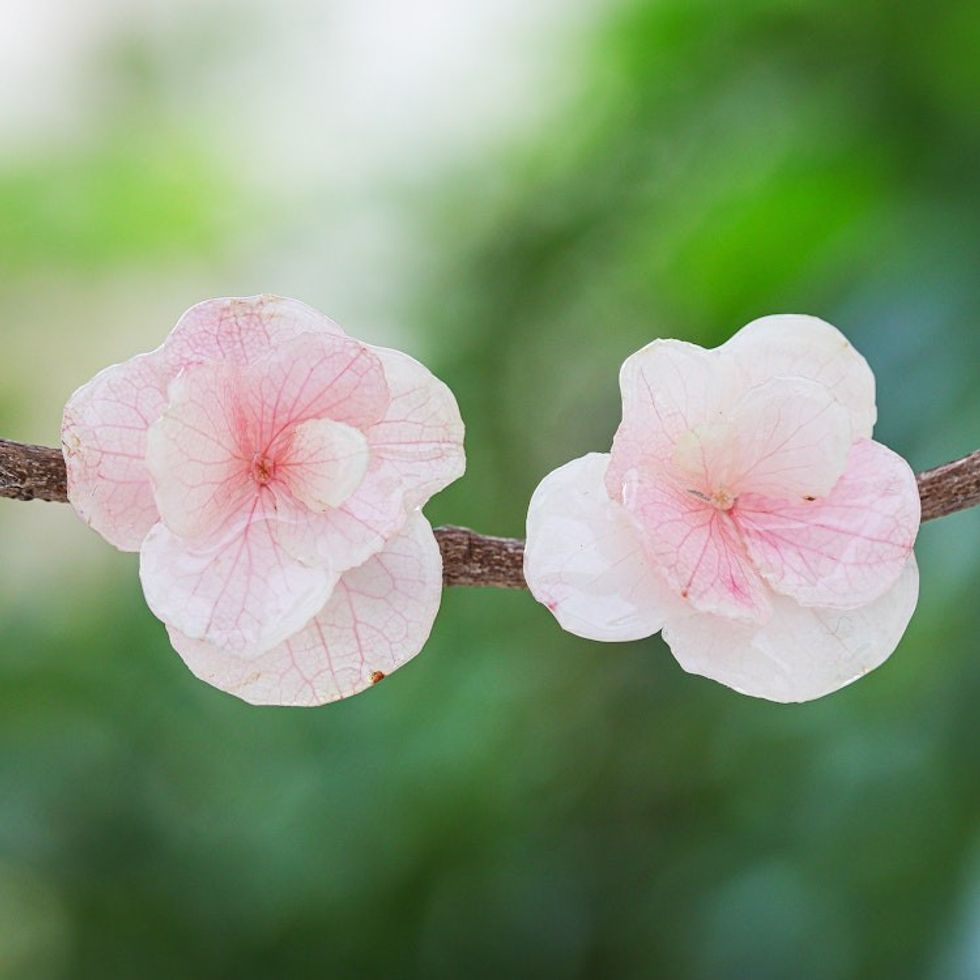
{"x":583,"y":558}
{"x":800,"y":653}
{"x":794,"y":345}
{"x":378,"y":617}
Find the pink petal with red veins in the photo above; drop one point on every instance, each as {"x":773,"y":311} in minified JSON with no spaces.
{"x":806,"y":347}
{"x":244,"y":594}
{"x":104,"y":441}
{"x":800,"y":653}
{"x":416,"y":449}
{"x":584,"y":559}
{"x":315,"y":376}
{"x":241,"y":329}
{"x":786,"y":438}
{"x":846,"y":549}
{"x":346,"y":536}
{"x":669,"y":388}
{"x":420,"y":437}
{"x":698,"y":548}
{"x":324,"y":463}
{"x":378,"y":617}
{"x":198,"y":453}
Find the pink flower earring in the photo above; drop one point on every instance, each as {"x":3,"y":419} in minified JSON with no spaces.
{"x":271,"y":470}
{"x":744,"y":510}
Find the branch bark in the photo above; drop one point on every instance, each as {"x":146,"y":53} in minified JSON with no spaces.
{"x":38,"y":473}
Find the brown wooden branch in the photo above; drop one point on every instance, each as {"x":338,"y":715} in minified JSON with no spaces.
{"x":469,"y":558}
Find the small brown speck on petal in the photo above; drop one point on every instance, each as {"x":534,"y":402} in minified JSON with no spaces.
{"x":376,"y":676}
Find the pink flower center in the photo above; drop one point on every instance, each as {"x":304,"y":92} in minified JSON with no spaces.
{"x":722,"y":498}
{"x":263,"y":469}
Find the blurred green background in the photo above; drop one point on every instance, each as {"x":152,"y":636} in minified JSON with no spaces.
{"x":521,"y":194}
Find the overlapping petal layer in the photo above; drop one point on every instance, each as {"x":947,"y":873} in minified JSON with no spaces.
{"x":787,"y":438}
{"x":243,"y":593}
{"x":800,"y":653}
{"x":240,"y":330}
{"x":846,"y":549}
{"x":669,"y":389}
{"x":378,"y":617}
{"x":584,"y":559}
{"x":198,"y":453}
{"x":420,"y":437}
{"x":697,"y":546}
{"x":793,"y":345}
{"x":103,"y":437}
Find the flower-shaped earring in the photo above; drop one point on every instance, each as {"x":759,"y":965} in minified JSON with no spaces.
{"x":270,"y":470}
{"x":744,"y":509}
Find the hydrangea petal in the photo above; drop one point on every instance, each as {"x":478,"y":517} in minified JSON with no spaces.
{"x":314,"y":376}
{"x":697,"y":546}
{"x":807,"y":347}
{"x":787,"y":438}
{"x":416,"y":449}
{"x":325,"y":463}
{"x":584,"y":559}
{"x":420,"y":437}
{"x":239,"y":330}
{"x":800,"y":653}
{"x":198,"y":453}
{"x":378,"y":617}
{"x":846,"y":549}
{"x":345,"y":536}
{"x":669,"y":388}
{"x":244,"y":593}
{"x":104,"y":442}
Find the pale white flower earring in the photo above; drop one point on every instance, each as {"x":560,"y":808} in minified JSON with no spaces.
{"x":744,"y":510}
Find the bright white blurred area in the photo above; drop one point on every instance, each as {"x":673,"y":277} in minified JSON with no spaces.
{"x":325,"y":130}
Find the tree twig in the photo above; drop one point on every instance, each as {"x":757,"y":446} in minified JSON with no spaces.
{"x":469,"y":558}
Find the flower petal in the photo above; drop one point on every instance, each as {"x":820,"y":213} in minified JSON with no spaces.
{"x":104,"y":441}
{"x":325,"y":463}
{"x":787,"y":438}
{"x":669,"y":388}
{"x":584,"y":559}
{"x":378,"y":617}
{"x":421,"y":435}
{"x":416,"y":449}
{"x":697,"y":546}
{"x":315,"y":376}
{"x":800,"y":653}
{"x":793,"y":345}
{"x":241,"y":329}
{"x":197,"y":453}
{"x":346,"y":536}
{"x":845,"y":549}
{"x":243,"y":594}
